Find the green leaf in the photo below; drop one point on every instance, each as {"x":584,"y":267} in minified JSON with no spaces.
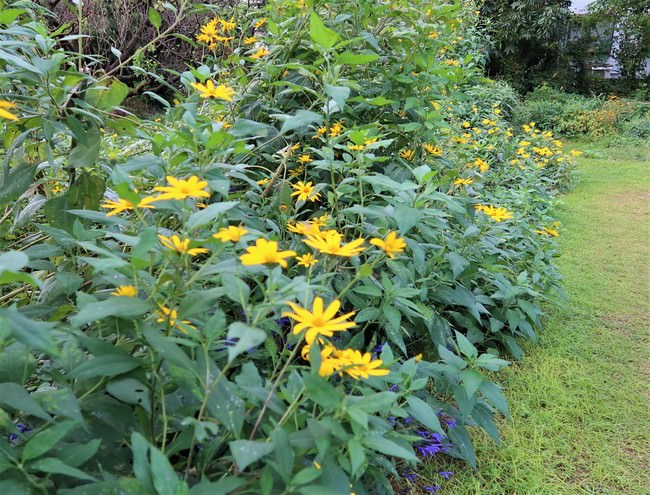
{"x":320,"y":33}
{"x":13,"y":261}
{"x":7,"y":16}
{"x":458,"y":263}
{"x":76,"y":455}
{"x":36,"y":335}
{"x":306,"y":475}
{"x":141,"y":469}
{"x":107,"y":97}
{"x":57,"y":466}
{"x":491,"y":363}
{"x":124,"y":307}
{"x":472,"y":380}
{"x":105,"y":365}
{"x":226,"y":485}
{"x":349,"y":58}
{"x":131,"y":391}
{"x":16,"y":363}
{"x":247,"y":452}
{"x":357,"y":455}
{"x":322,"y":392}
{"x":423,"y":413}
{"x":388,"y":447}
{"x":17,"y":398}
{"x":165,"y":480}
{"x":154,"y":17}
{"x":209,"y":214}
{"x":338,"y":94}
{"x":302,"y":118}
{"x":45,"y":440}
{"x":16,"y":183}
{"x":249,"y":337}
{"x":466,"y":347}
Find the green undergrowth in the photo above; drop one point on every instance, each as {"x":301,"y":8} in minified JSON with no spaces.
{"x":579,"y":400}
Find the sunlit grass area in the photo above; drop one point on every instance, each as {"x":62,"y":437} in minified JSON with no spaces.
{"x":579,"y":400}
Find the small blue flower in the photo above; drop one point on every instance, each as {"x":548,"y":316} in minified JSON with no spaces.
{"x":432,"y":488}
{"x":446,"y":474}
{"x":393,"y":388}
{"x":409,"y":476}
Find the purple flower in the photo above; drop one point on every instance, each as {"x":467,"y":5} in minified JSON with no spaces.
{"x":283,"y":322}
{"x":393,"y":388}
{"x":22,"y":428}
{"x":446,"y":474}
{"x":409,"y":476}
{"x":408,"y":420}
{"x":432,"y":488}
{"x":391,"y":420}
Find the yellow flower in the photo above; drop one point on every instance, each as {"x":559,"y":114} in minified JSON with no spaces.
{"x":125,"y":291}
{"x":320,"y":132}
{"x":303,"y":228}
{"x":407,"y":154}
{"x":349,"y":361}
{"x":296,"y":172}
{"x":261,"y":52}
{"x":391,"y":245}
{"x":418,"y":358}
{"x":262,"y":182}
{"x":232,"y":233}
{"x":123,"y":205}
{"x":259,"y":23}
{"x":329,"y":242}
{"x":497,"y":214}
{"x":432,"y":35}
{"x":6,"y":114}
{"x":306,"y":260}
{"x":336,"y":129}
{"x":304,"y":191}
{"x":319,"y":221}
{"x":548,"y":231}
{"x":209,"y":90}
{"x":265,"y":252}
{"x":304,"y":159}
{"x":250,"y":40}
{"x":182,"y":189}
{"x":463,"y":182}
{"x":575,"y":153}
{"x":181,"y":246}
{"x":432,"y":150}
{"x":482,"y":165}
{"x":319,"y":322}
{"x":170,"y":316}
{"x":227,"y":26}
{"x":356,"y":147}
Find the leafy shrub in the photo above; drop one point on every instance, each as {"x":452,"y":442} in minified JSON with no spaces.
{"x":298,"y":280}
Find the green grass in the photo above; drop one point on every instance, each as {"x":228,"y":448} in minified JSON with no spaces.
{"x":580,"y":399}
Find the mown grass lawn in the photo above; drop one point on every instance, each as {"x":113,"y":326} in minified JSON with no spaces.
{"x":580,"y":399}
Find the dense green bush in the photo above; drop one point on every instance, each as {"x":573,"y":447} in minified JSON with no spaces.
{"x":298,"y":279}
{"x":574,"y":115}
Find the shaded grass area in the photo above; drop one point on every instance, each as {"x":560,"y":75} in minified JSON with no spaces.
{"x":580,"y":399}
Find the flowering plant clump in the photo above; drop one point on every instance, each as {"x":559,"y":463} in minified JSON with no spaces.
{"x":299,"y":278}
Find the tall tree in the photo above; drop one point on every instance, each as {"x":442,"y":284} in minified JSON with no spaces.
{"x":527,"y":38}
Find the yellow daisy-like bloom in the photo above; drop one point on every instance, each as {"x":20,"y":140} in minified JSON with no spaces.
{"x":336,"y":129}
{"x":123,"y":205}
{"x":482,"y":165}
{"x":407,"y":154}
{"x":432,"y":35}
{"x":304,"y":191}
{"x":4,"y":112}
{"x":265,"y":252}
{"x":263,"y":182}
{"x":319,"y":222}
{"x":304,"y":159}
{"x":181,"y":246}
{"x":356,"y":364}
{"x":432,"y":150}
{"x":391,"y":244}
{"x":125,"y":291}
{"x":261,"y":52}
{"x":319,"y":321}
{"x":250,"y":40}
{"x":497,"y":214}
{"x":329,"y":242}
{"x":182,"y":189}
{"x":259,"y":23}
{"x":463,"y":182}
{"x":209,"y":90}
{"x":303,"y":228}
{"x":575,"y":153}
{"x":170,"y":316}
{"x":306,"y":260}
{"x":548,"y":231}
{"x":356,"y":147}
{"x":232,"y":233}
{"x":227,"y":26}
